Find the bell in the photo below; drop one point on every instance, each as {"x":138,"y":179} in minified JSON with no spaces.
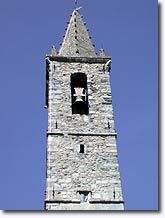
{"x":79,"y":94}
{"x":79,"y":100}
{"x":79,"y":104}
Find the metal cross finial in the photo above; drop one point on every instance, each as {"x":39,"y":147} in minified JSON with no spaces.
{"x":76,"y":3}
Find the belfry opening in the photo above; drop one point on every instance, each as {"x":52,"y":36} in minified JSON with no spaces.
{"x":79,"y":94}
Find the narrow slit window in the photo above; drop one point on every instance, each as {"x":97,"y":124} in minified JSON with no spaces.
{"x":81,"y":149}
{"x":84,"y":196}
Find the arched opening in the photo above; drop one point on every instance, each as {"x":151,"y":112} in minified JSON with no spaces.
{"x":79,"y":93}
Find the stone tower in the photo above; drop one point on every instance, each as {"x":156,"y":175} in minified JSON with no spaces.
{"x":82,"y":160}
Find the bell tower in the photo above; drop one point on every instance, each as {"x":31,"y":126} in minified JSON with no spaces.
{"x":82,"y":171}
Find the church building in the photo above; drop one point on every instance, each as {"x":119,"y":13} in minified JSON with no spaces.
{"x":82,"y":170}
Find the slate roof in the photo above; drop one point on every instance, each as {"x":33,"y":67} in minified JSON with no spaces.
{"x":77,"y":42}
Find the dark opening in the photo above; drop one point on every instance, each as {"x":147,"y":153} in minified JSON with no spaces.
{"x":79,"y":93}
{"x":81,"y":149}
{"x":84,"y":196}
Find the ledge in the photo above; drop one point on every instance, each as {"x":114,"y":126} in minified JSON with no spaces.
{"x":105,"y":202}
{"x":61,"y":202}
{"x":89,"y":60}
{"x":82,"y":134}
{"x":78,"y":202}
{"x":55,"y":133}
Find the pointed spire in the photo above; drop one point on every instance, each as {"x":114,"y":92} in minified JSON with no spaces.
{"x":77,"y":42}
{"x":53,"y":51}
{"x":102,"y":53}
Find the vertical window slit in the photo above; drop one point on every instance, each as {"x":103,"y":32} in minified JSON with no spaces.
{"x":81,"y":149}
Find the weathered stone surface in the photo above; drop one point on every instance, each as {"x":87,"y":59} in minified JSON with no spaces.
{"x":96,"y":170}
{"x":74,"y":206}
{"x":69,"y":172}
{"x":60,"y":104}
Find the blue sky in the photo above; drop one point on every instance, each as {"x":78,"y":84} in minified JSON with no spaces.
{"x":128,"y":32}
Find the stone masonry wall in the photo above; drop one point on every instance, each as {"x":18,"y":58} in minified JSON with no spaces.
{"x":99,"y":95}
{"x":96,"y":170}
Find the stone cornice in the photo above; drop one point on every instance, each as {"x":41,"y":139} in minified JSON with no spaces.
{"x":82,"y":134}
{"x":89,"y":60}
{"x":78,"y":202}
